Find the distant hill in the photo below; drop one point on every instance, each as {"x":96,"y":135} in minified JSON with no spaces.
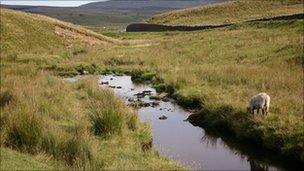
{"x":114,"y":12}
{"x":229,"y":12}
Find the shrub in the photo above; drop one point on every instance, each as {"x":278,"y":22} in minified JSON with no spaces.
{"x":5,"y":98}
{"x":192,"y":102}
{"x":24,"y":132}
{"x":117,"y":62}
{"x":142,"y":76}
{"x":106,"y":121}
{"x":164,"y":88}
{"x":79,"y":51}
{"x":77,"y":151}
{"x":132,"y":121}
{"x":49,"y":144}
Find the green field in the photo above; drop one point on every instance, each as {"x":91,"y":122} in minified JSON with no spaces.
{"x":217,"y":70}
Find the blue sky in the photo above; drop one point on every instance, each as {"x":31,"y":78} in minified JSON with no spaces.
{"x":61,"y":3}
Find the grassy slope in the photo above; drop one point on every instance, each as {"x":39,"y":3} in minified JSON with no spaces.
{"x":22,"y":32}
{"x":230,"y":12}
{"x":42,"y":115}
{"x":15,"y":160}
{"x":221,"y":69}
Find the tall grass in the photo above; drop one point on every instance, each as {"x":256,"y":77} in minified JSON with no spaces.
{"x":5,"y":98}
{"x":106,"y":122}
{"x":108,"y":115}
{"x":60,"y":119}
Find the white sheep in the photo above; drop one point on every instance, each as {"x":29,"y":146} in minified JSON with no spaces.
{"x":259,"y":101}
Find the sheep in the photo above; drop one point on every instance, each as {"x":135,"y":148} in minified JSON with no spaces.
{"x":259,"y":101}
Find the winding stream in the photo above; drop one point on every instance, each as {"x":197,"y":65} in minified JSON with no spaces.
{"x":179,"y":140}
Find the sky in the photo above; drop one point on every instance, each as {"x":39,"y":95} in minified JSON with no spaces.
{"x":57,"y":3}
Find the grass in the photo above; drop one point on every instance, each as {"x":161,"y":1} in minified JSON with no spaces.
{"x":19,"y":33}
{"x":217,"y":70}
{"x":15,"y":160}
{"x":47,"y":122}
{"x":229,"y":12}
{"x":220,"y":70}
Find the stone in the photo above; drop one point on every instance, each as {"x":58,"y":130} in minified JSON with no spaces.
{"x":165,"y":99}
{"x":144,"y":104}
{"x":139,"y":95}
{"x":147,"y":92}
{"x":154,"y":104}
{"x":104,"y":83}
{"x":163,"y":117}
{"x":154,"y":98}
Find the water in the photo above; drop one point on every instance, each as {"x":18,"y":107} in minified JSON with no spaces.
{"x":180,"y":140}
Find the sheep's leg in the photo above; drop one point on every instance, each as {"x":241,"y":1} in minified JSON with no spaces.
{"x":263,"y":111}
{"x":258,"y":111}
{"x":252,"y":111}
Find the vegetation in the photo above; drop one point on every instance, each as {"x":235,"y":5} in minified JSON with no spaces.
{"x":19,"y":35}
{"x":49,"y":123}
{"x":217,"y":70}
{"x":229,"y":12}
{"x":220,"y":70}
{"x":15,"y":160}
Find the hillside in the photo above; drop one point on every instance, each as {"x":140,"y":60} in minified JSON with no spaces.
{"x":50,"y":123}
{"x":229,"y":12}
{"x":31,"y":32}
{"x":113,"y":13}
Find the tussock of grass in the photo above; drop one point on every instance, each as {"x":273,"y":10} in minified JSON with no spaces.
{"x":5,"y":98}
{"x":229,"y":12}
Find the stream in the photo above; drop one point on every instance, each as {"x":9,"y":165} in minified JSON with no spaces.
{"x":177,"y":139}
